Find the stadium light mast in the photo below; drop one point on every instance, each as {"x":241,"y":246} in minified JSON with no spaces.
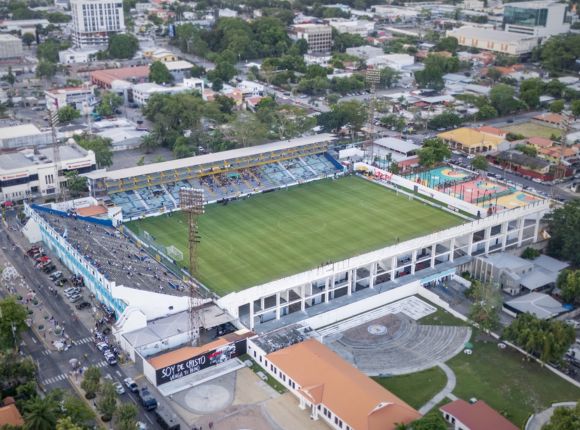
{"x":191,"y":201}
{"x":373,"y":77}
{"x":55,"y":150}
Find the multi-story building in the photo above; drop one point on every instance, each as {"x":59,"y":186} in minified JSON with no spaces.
{"x":541,"y":19}
{"x":10,"y":46}
{"x":95,"y":20}
{"x":494,"y":40}
{"x":31,"y":172}
{"x":76,"y":97}
{"x":361,"y":27}
{"x":318,"y":36}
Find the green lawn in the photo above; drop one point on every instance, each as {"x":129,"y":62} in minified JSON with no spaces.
{"x":416,"y":388}
{"x":530,"y":129}
{"x":272,"y":235}
{"x":507,"y":382}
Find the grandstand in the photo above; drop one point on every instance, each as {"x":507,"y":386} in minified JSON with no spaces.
{"x":154,"y":189}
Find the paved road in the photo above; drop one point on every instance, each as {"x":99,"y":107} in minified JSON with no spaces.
{"x":54,"y":366}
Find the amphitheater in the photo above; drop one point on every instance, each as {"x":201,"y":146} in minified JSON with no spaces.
{"x":395,"y":343}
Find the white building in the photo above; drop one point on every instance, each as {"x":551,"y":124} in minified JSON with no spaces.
{"x":10,"y":46}
{"x":251,"y":88}
{"x":75,"y":56}
{"x":494,"y":40}
{"x":23,"y":25}
{"x":94,"y":20}
{"x":25,"y":135}
{"x":536,"y":18}
{"x":194,"y":84}
{"x":394,"y":61}
{"x":179,"y":69}
{"x":365,"y":52}
{"x":142,"y":92}
{"x":76,"y":97}
{"x":398,"y":14}
{"x":318,"y":36}
{"x":30,"y":173}
{"x":361,"y":27}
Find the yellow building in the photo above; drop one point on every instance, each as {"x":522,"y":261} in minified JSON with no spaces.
{"x":159,"y":55}
{"x":471,"y":141}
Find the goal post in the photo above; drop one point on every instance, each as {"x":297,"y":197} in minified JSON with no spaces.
{"x":174,"y":253}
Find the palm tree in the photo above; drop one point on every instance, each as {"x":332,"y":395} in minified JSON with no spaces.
{"x":41,"y":414}
{"x":402,"y":426}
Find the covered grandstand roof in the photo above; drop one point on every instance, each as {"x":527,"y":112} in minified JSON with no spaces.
{"x":211,"y":158}
{"x":469,"y":137}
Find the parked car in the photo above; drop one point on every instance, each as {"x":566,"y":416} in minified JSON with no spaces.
{"x":131,"y":385}
{"x":75,"y":299}
{"x":147,"y":400}
{"x":102,"y":346}
{"x":83,"y":305}
{"x":110,"y":357}
{"x":55,"y":276}
{"x":119,"y":388}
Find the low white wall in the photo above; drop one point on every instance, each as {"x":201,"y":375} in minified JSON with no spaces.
{"x":362,"y":306}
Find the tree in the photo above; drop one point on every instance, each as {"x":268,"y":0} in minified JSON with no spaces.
{"x":159,"y":73}
{"x":66,"y":423}
{"x":12,"y":319}
{"x":493,"y":74}
{"x":91,"y":382}
{"x":487,"y":302}
{"x":480,"y":162}
{"x":48,"y":50}
{"x":575,"y":107}
{"x":502,"y":98}
{"x":109,"y":104}
{"x":182,"y":148}
{"x":486,"y":111}
{"x":569,"y":284}
{"x":67,"y":114}
{"x":430,"y":421}
{"x":9,"y":77}
{"x":75,"y":184}
{"x":217,"y":84}
{"x":77,"y":410}
{"x":107,"y":404}
{"x":122,"y":46}
{"x":41,"y":413}
{"x":247,"y":130}
{"x":564,"y":418}
{"x":389,"y":77}
{"x":559,"y":53}
{"x":564,"y":228}
{"x":126,"y":417}
{"x":449,"y":44}
{"x":101,"y":146}
{"x":392,"y":120}
{"x":16,"y":372}
{"x":197,"y":71}
{"x":28,"y":39}
{"x":434,"y":151}
{"x":530,"y":253}
{"x":528,"y":150}
{"x":557,"y":106}
{"x":149,"y":143}
{"x":545,"y":339}
{"x":46,"y":69}
{"x":350,"y":113}
{"x":445,"y":120}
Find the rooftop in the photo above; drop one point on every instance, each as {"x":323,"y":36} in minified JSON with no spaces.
{"x":487,"y":34}
{"x":10,"y":415}
{"x":18,"y":131}
{"x":325,"y":378}
{"x":178,"y":65}
{"x":477,"y":416}
{"x":399,"y":145}
{"x":123,"y":73}
{"x":470,"y":137}
{"x":28,"y":158}
{"x":212,"y":158}
{"x":541,"y":305}
{"x":532,"y":4}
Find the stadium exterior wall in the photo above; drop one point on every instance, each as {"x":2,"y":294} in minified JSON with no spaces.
{"x":423,"y":258}
{"x":94,"y":280}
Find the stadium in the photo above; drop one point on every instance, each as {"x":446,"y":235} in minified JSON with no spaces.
{"x":291,"y":234}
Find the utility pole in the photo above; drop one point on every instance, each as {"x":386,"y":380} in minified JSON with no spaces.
{"x":192,"y":203}
{"x":55,"y":150}
{"x":560,"y":170}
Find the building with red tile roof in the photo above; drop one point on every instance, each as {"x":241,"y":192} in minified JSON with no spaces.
{"x":105,"y":78}
{"x":10,"y":415}
{"x":475,"y":416}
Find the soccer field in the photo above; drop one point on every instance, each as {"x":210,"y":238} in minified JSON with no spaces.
{"x":272,"y":235}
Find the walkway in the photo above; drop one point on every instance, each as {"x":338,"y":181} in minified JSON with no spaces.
{"x":445,"y":392}
{"x":538,"y":420}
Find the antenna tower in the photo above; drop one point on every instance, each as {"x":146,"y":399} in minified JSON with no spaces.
{"x":191,"y":202}
{"x":373,"y":77}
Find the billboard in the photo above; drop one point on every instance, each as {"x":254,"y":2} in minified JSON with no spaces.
{"x":199,"y":362}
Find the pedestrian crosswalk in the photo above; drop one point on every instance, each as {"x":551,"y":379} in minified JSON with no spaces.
{"x":47,"y":352}
{"x":83,"y":340}
{"x":100,"y":364}
{"x":54,"y":379}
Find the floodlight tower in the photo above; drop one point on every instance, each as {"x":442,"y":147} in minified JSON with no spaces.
{"x":191,"y":202}
{"x":373,"y":77}
{"x":55,"y":150}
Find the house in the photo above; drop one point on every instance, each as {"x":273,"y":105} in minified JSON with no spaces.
{"x":332,"y":389}
{"x":553,"y":120}
{"x":9,"y":414}
{"x":540,"y":305}
{"x":523,"y":164}
{"x":251,"y":88}
{"x":105,"y":78}
{"x":76,"y":97}
{"x":474,"y":416}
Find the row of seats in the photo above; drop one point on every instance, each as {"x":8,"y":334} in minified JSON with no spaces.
{"x":158,"y":198}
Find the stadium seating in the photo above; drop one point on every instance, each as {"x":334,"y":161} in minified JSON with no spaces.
{"x":219,"y":186}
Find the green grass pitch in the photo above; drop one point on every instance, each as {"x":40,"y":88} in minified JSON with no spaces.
{"x":272,"y":235}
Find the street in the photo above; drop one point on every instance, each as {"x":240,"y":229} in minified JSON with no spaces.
{"x":54,"y":368}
